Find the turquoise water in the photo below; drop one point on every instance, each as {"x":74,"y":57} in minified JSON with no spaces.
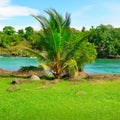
{"x":106,"y":66}
{"x":15,"y":63}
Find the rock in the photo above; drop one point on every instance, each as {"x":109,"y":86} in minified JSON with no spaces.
{"x":83,"y":75}
{"x":34,"y":77}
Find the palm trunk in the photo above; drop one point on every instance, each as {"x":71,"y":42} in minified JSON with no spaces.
{"x":57,"y":75}
{"x":57,"y":71}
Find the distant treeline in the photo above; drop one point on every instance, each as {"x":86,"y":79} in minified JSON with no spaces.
{"x":105,"y":38}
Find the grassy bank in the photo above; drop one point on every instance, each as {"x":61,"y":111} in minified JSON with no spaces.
{"x":62,"y":101}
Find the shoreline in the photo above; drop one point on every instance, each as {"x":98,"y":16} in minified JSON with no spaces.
{"x":81,"y":75}
{"x":15,"y":55}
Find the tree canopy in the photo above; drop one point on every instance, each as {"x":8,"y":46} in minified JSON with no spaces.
{"x":106,"y":39}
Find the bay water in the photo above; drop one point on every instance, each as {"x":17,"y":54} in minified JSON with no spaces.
{"x":103,"y":66}
{"x":99,"y":66}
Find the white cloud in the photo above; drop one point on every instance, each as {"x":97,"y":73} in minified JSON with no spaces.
{"x":4,"y":3}
{"x":7,"y":10}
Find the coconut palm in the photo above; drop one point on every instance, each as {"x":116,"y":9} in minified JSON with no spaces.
{"x":58,"y":51}
{"x":55,"y":41}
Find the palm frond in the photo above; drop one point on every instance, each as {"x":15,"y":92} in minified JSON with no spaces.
{"x":42,"y":20}
{"x":67,"y":20}
{"x":39,"y":56}
{"x":44,"y":66}
{"x":30,"y":68}
{"x":75,"y":47}
{"x":71,"y":67}
{"x":55,"y":40}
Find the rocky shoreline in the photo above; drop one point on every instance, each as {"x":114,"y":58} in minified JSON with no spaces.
{"x":18,"y":73}
{"x":24,"y":55}
{"x":8,"y":73}
{"x":112,"y":57}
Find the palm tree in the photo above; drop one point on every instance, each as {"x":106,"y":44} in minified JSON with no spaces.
{"x":58,"y":51}
{"x":55,"y":41}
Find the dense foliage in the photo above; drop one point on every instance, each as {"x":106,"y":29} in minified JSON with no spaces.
{"x":106,"y":38}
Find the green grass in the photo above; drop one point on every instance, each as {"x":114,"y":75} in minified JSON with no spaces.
{"x":63,"y":101}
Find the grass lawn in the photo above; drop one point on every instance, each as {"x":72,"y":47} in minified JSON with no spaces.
{"x":62,"y":101}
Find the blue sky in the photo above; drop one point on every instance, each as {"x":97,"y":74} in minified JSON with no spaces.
{"x":85,"y":13}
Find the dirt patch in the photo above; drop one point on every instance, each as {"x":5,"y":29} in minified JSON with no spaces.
{"x":98,"y":76}
{"x":104,"y":76}
{"x":51,"y":81}
{"x":80,"y":92}
{"x":4,"y":72}
{"x":73,"y":83}
{"x":45,"y":87}
{"x":81,"y":75}
{"x":27,"y":74}
{"x":12,"y":88}
{"x":21,"y":81}
{"x":19,"y":73}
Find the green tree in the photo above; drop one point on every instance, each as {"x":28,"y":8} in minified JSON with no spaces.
{"x":60,"y":50}
{"x":116,"y":34}
{"x":29,"y":33}
{"x":9,"y":30}
{"x":105,"y":38}
{"x":21,"y":33}
{"x":8,"y":37}
{"x":86,"y":52}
